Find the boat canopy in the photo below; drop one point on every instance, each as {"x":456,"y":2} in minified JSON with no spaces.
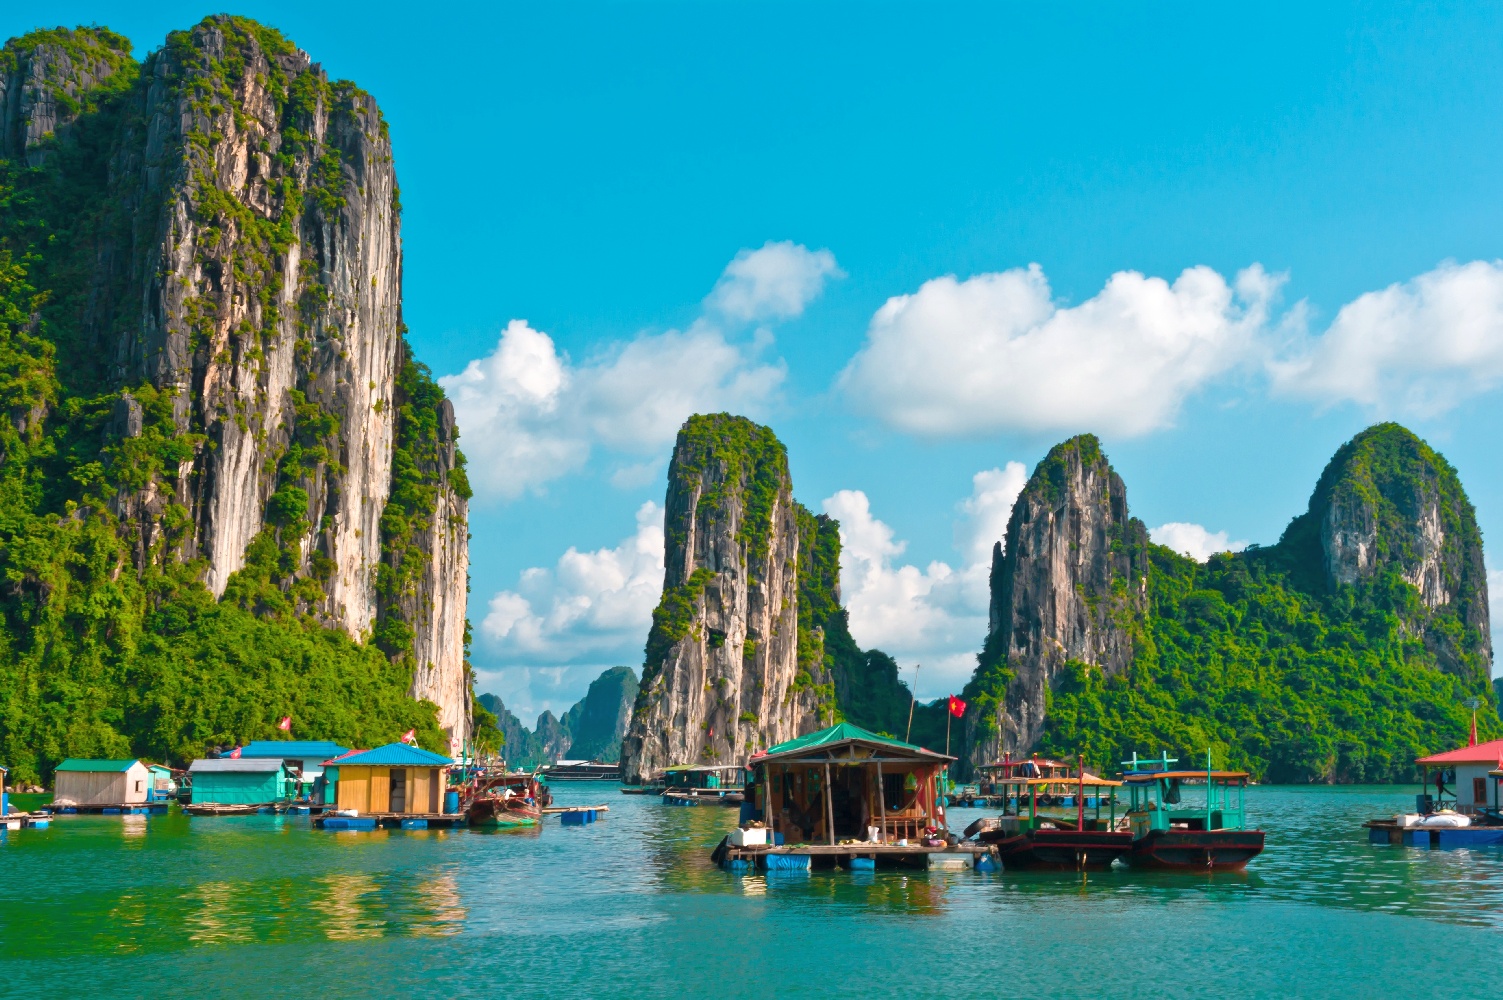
{"x":1144,"y":777}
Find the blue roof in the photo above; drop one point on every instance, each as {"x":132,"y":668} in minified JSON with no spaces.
{"x":394,"y":755}
{"x":322,"y":749}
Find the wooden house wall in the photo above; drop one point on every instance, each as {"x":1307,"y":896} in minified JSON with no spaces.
{"x":102,"y":787}
{"x":368,"y":789}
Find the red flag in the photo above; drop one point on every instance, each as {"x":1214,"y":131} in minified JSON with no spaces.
{"x":957,"y":707}
{"x":235,"y":754}
{"x":410,"y":736}
{"x":286,"y":724}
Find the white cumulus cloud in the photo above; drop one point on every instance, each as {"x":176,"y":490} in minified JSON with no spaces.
{"x":774,"y":282}
{"x":935,"y":615}
{"x":1193,"y":540}
{"x":998,"y":352}
{"x":528,"y":413}
{"x":1416,"y":348}
{"x":593,"y":607}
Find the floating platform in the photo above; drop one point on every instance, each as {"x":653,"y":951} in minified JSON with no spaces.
{"x":855,"y":857}
{"x":229,"y":808}
{"x":25,"y":821}
{"x":704,"y":796}
{"x":1387,"y":831}
{"x":390,"y":821}
{"x":561,"y":810}
{"x":125,"y":809}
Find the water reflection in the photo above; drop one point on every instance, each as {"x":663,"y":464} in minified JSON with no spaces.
{"x":342,"y":904}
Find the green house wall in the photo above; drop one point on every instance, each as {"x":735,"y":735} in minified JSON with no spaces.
{"x":232,"y":787}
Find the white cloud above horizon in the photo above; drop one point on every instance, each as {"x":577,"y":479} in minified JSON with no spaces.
{"x":590,"y":607}
{"x":999,"y":352}
{"x":528,"y":414}
{"x":1416,"y":348}
{"x":1194,"y":540}
{"x":935,"y":615}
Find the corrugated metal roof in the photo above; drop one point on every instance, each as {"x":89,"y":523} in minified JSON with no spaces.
{"x":221,"y":765}
{"x":307,"y":749}
{"x":395,"y":755}
{"x":843,"y":733}
{"x":1490,"y":752}
{"x":82,"y":764}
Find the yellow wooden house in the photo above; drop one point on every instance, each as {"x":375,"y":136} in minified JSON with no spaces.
{"x":396,"y":779}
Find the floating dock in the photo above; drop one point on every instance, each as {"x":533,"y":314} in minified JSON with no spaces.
{"x":1387,"y":831}
{"x":390,"y":821}
{"x":559,"y":810}
{"x":855,"y":857}
{"x":124,"y":809}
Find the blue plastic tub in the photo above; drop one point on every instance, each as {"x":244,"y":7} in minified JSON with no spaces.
{"x":578,"y":818}
{"x":863,"y":864}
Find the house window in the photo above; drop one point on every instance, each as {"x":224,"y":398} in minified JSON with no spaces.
{"x":138,"y":786}
{"x":1479,"y":791}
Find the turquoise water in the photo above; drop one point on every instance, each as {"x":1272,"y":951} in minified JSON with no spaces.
{"x":266,"y":906}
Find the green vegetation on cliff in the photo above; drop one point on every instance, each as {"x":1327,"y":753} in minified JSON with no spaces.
{"x":1278,"y":664}
{"x":109,"y":642}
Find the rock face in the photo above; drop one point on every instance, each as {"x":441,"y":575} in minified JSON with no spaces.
{"x":1072,"y":573}
{"x":729,"y":670}
{"x":245,"y":269}
{"x":1387,"y":502}
{"x":598,"y":721}
{"x":45,"y":83}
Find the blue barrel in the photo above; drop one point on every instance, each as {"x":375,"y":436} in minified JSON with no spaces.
{"x":862,"y":864}
{"x":451,"y":802}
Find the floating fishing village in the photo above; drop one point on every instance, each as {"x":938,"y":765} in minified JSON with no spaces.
{"x":778,"y":500}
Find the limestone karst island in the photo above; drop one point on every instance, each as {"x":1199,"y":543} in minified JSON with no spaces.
{"x":826,"y":506}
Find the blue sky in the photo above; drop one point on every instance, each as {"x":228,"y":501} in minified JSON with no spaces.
{"x":594,"y":169}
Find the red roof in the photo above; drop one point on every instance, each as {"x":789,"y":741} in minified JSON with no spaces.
{"x":1490,"y":752}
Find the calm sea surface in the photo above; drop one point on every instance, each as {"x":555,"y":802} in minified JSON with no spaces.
{"x":265,"y":906}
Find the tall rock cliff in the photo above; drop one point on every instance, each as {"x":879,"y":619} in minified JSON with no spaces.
{"x":731,"y":664}
{"x":1387,"y":503}
{"x":1069,"y":585}
{"x":226,"y":275}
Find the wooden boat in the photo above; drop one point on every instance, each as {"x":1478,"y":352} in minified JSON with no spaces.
{"x":1168,"y":832}
{"x":502,"y":801}
{"x":1065,"y":837}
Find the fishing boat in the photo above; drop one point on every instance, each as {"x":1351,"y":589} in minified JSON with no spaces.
{"x":507,"y":800}
{"x":1044,"y":823}
{"x":1169,"y":832}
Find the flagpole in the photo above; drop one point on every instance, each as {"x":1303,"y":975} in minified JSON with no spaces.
{"x":948,"y":715}
{"x":913,"y":700}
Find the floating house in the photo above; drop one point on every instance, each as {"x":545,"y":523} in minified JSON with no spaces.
{"x":101,"y":783}
{"x":161,"y":787}
{"x":306,"y":757}
{"x":232,"y":781}
{"x":394,"y":780}
{"x":846,"y":796}
{"x":1469,"y":767}
{"x":690,"y":784}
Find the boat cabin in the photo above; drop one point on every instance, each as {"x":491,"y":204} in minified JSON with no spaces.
{"x":395,"y":779}
{"x":1460,"y":779}
{"x":1028,"y":784}
{"x":845,"y":783}
{"x":1157,"y":797}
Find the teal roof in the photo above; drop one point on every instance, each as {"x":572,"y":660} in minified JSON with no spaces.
{"x":84,"y":764}
{"x":306,"y":749}
{"x":842,"y":733}
{"x":394,"y":755}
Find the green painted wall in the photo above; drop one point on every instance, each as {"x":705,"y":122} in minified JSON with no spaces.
{"x":238,"y":787}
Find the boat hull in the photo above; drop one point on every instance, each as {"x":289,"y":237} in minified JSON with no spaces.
{"x":1197,"y":850}
{"x":493,"y":814}
{"x":1065,"y":850}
